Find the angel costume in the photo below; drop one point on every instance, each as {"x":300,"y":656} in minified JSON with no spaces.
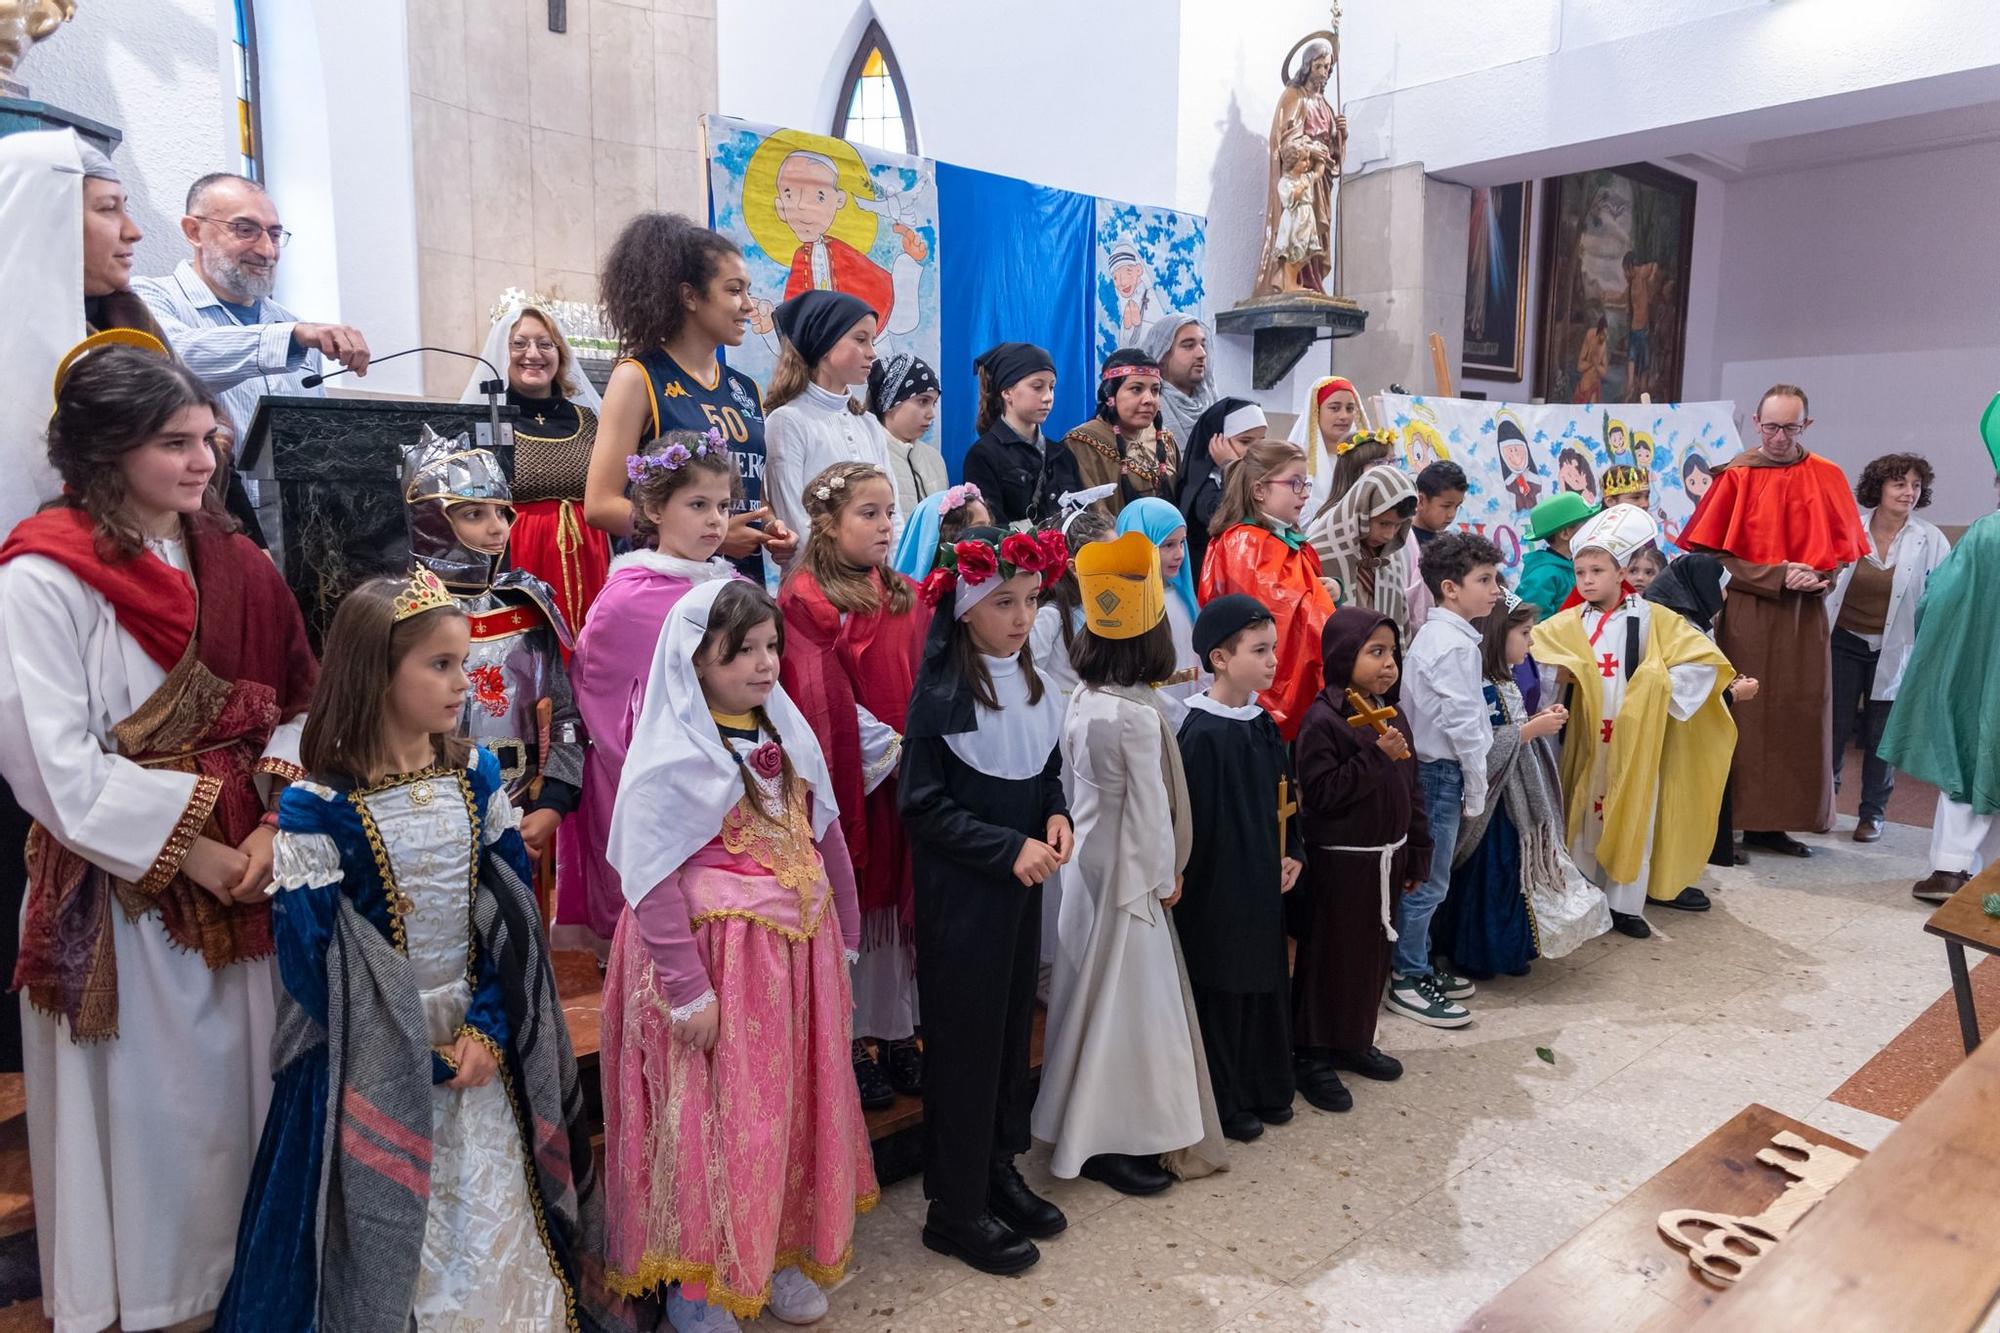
{"x":140,"y":702}
{"x":382,"y":1197}
{"x":728,"y":1164}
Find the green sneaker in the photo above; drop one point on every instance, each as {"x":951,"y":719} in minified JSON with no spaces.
{"x":1451,"y":985}
{"x":1419,"y":1000}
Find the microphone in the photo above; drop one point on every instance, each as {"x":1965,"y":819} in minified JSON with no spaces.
{"x":492,"y":388}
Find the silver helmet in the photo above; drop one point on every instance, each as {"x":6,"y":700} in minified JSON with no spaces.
{"x":437,"y":474}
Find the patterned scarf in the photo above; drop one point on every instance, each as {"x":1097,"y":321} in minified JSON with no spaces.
{"x":1341,"y":537}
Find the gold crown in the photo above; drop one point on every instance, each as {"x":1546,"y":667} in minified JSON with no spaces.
{"x":1122,"y":595}
{"x":1624,"y":479}
{"x":424,"y":592}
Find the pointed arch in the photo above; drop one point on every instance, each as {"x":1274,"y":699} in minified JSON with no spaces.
{"x":249,"y":131}
{"x":874,"y":103}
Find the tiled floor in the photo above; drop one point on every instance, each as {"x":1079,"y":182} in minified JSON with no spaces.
{"x":1435,"y":1192}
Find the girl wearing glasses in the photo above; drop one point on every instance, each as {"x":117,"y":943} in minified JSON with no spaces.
{"x":1259,"y":550}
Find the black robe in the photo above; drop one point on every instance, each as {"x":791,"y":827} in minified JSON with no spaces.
{"x":1350,"y":795}
{"x":979,"y":936}
{"x":1231,"y":917}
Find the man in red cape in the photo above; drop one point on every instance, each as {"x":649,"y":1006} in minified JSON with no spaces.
{"x":1783,"y":522}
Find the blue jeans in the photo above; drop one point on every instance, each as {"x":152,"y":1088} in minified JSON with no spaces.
{"x":1443,"y":786}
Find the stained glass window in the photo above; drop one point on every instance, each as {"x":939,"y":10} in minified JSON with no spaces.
{"x":249,"y":147}
{"x":874,"y":105}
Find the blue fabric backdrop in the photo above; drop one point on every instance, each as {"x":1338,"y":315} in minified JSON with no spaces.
{"x":1017,"y":265}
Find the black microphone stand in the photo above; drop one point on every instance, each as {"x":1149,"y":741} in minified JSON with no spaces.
{"x":492,"y":388}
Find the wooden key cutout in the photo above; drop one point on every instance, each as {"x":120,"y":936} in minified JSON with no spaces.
{"x":1721,"y":1248}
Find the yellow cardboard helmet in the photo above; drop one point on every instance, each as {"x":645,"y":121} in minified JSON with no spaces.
{"x":1122,"y":594}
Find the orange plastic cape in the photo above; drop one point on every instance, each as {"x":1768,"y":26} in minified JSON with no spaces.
{"x":1250,"y":559}
{"x":1771,"y":513}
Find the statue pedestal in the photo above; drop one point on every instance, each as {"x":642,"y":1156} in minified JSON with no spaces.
{"x":1281,"y":328}
{"x":21,"y":114}
{"x":337,"y":467}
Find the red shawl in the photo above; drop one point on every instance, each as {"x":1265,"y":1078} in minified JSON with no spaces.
{"x":1771,"y":513}
{"x":228,"y":686}
{"x":828,"y":668}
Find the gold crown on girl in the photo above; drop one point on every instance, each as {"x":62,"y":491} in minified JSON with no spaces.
{"x":424,"y":592}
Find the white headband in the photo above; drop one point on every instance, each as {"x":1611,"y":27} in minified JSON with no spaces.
{"x":969,"y":595}
{"x":1248,"y":417}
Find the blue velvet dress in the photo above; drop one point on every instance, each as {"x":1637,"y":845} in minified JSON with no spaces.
{"x":1486,"y":930}
{"x":407,"y":855}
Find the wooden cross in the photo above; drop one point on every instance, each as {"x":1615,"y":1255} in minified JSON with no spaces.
{"x":1287,"y":807}
{"x":1364,"y":716}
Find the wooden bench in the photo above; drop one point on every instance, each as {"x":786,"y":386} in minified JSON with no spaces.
{"x":1960,"y":921}
{"x":1619,"y":1274}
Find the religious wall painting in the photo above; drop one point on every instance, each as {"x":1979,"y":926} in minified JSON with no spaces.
{"x":1516,"y":455}
{"x":1616,"y":249}
{"x":810,"y":211}
{"x":1496,"y":282}
{"x":1148,"y":266}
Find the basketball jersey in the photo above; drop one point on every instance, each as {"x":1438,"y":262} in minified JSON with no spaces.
{"x":733,"y":405}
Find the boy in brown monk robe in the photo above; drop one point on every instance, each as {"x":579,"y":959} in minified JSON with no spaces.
{"x":1366,"y":838}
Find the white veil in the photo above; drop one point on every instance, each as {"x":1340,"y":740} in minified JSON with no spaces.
{"x":577,"y":388}
{"x":41,"y":273}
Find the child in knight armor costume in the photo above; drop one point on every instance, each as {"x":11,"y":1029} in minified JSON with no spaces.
{"x":459,"y":509}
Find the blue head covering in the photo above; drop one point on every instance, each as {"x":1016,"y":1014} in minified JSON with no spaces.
{"x":917,"y":547}
{"x":1159,"y":520}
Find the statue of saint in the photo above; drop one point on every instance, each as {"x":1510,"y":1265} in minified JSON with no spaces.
{"x":22,"y":24}
{"x":1308,"y":139}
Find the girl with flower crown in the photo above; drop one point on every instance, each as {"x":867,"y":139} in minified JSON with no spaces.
{"x":735,"y":1146}
{"x":856,"y":634}
{"x":982,"y":797}
{"x":683,"y":487}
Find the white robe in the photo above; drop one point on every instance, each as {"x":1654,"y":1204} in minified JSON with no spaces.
{"x":1123,"y":1069}
{"x":1692,"y":684}
{"x":1173,"y":697}
{"x":804,"y":438}
{"x":140,"y":1146}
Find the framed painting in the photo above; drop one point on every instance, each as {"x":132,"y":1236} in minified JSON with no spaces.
{"x":1616,"y":248}
{"x":1496,"y":282}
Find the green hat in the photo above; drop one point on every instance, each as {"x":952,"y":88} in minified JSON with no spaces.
{"x":1556,"y":513}
{"x":1989,"y":430}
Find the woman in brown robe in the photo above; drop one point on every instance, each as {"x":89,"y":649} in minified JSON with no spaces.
{"x":1366,"y":838}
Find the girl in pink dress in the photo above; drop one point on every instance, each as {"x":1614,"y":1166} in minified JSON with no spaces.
{"x":682,"y":487}
{"x":735,"y":1146}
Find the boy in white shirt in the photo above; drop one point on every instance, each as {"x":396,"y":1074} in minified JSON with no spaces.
{"x":1443,"y":694}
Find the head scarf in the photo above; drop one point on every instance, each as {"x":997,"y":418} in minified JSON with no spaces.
{"x":1158,"y":520}
{"x":916,"y":549}
{"x":1305,"y":430}
{"x":577,"y":387}
{"x":1178,"y":410}
{"x":680,"y":778}
{"x":812,"y":322}
{"x":1691,"y":585}
{"x":1007,"y":364}
{"x":41,"y":270}
{"x":1197,"y":461}
{"x":897,"y":379}
{"x":96,"y":166}
{"x":1339,"y":541}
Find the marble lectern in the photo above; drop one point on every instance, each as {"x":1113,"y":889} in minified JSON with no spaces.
{"x":335,"y":465}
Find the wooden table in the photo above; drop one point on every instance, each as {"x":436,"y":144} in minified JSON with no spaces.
{"x":1960,"y":921}
{"x":1618,"y":1273}
{"x":1911,"y":1240}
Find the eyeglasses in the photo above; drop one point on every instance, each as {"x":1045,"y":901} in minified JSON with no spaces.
{"x":1771,"y":430}
{"x":542,"y":345}
{"x":1298,"y":485}
{"x":243,"y":229}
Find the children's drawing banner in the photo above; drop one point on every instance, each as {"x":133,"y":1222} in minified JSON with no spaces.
{"x":1149,"y":266}
{"x":1518,"y":454}
{"x":809,"y":211}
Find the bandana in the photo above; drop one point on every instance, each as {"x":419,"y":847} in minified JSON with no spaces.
{"x":897,"y":380}
{"x":1007,"y":364}
{"x":813,"y":322}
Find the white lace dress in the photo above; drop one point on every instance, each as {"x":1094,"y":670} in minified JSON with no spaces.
{"x":484,"y":1265}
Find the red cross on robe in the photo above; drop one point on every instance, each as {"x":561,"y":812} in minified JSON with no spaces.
{"x":1607,"y":665}
{"x":1607,"y":731}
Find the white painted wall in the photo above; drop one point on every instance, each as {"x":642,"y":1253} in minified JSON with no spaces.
{"x":1871,"y":285}
{"x":160,"y":71}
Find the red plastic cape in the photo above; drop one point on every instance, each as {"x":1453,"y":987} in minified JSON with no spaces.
{"x":1250,"y":559}
{"x":1773,"y":513}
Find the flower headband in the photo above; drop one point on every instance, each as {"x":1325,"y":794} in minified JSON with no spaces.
{"x":1120,"y":372}
{"x":972,"y":567}
{"x":835,"y":484}
{"x":959,"y":496}
{"x":675,"y":457}
{"x":1361,"y":437}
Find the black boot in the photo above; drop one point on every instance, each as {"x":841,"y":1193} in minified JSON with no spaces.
{"x":876,"y":1094}
{"x":904,"y":1063}
{"x":1631,"y":923}
{"x":1243,"y":1126}
{"x":983,"y":1242}
{"x":1370,"y":1063}
{"x":1009,"y":1199}
{"x":1127,"y":1174}
{"x":1321,"y":1086}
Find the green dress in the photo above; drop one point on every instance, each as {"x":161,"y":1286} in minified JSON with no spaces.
{"x":1945,"y":727}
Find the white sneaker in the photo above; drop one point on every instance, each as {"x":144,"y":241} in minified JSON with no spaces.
{"x":796,"y":1298}
{"x":688,"y":1316}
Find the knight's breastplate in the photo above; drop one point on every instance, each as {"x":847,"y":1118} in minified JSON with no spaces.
{"x":507,"y":669}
